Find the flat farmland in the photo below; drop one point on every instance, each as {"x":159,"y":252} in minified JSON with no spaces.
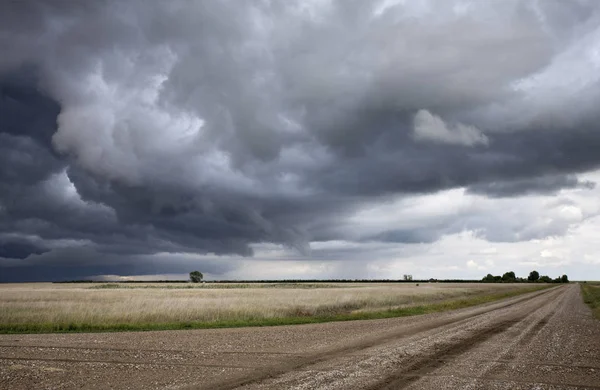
{"x":545,"y":340}
{"x":46,"y":307}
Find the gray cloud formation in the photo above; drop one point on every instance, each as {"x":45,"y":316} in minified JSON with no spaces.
{"x":431,"y":128}
{"x":143,"y":127}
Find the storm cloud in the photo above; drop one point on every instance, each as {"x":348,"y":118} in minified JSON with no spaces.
{"x":133,"y":133}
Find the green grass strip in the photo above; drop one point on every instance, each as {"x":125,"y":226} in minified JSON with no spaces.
{"x":591,"y":296}
{"x":389,"y":313}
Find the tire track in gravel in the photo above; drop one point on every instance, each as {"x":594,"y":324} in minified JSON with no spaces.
{"x":459,"y":320}
{"x":410,"y":374}
{"x":452,"y":351}
{"x":448,"y":343}
{"x":520,"y":343}
{"x":533,"y":339}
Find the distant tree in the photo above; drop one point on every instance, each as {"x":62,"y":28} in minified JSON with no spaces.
{"x":564,"y":279}
{"x":489,"y":278}
{"x":196,"y":276}
{"x":407,"y":277}
{"x":497,"y":278}
{"x":533,"y":276}
{"x":509,"y":277}
{"x":545,"y":279}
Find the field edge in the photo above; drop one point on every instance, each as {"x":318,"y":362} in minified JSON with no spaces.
{"x":591,"y":296}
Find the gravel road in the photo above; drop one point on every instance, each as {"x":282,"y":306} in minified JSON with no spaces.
{"x":541,"y":340}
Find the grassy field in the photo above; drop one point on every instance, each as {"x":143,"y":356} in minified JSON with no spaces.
{"x":44,"y":307}
{"x":591,"y":296}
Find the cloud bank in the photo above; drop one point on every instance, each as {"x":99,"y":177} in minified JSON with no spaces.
{"x":144,"y":137}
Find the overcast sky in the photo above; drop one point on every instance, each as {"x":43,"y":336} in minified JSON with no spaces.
{"x":299,"y":139}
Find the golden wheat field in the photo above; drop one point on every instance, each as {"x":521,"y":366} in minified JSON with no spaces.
{"x":106,"y":305}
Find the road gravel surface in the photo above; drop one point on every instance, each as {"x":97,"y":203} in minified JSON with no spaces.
{"x":542,"y":340}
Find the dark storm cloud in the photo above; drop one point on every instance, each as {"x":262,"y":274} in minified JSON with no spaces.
{"x":78,"y":263}
{"x":143,"y":127}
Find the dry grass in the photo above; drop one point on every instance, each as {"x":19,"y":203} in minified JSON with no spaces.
{"x":76,"y":306}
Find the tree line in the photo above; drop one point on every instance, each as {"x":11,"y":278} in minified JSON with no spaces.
{"x":534,"y":277}
{"x":508,"y":277}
